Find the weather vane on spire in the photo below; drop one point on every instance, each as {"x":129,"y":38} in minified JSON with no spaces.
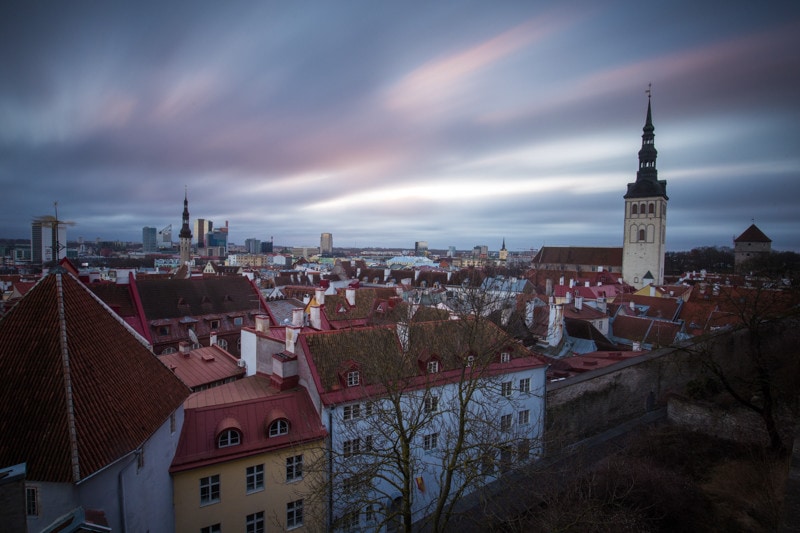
{"x":649,"y":90}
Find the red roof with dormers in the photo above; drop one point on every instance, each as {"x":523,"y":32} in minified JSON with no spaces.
{"x":80,"y":388}
{"x":249,"y":406}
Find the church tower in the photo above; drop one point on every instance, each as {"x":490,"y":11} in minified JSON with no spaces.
{"x":186,"y":233}
{"x":645,"y":217}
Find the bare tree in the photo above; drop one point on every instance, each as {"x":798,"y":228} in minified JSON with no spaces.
{"x":441,"y":409}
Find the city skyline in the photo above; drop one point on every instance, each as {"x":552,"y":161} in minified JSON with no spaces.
{"x":459,"y":124}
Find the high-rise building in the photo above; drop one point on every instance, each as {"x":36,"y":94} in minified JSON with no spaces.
{"x":149,"y":240}
{"x":253,"y":246}
{"x":201,"y":227}
{"x":48,"y":241}
{"x":421,"y":248}
{"x":326,"y":243}
{"x":645,"y":233}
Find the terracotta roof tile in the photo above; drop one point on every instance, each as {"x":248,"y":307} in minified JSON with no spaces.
{"x":80,"y":389}
{"x":203,"y":366}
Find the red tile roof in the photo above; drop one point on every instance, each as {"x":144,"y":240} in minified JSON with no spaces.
{"x":248,"y":405}
{"x":203,"y":366}
{"x":577,"y":255}
{"x":752,"y":234}
{"x":80,"y":389}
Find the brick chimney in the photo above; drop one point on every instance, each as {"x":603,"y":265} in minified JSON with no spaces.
{"x":297,"y":316}
{"x":292,"y":332}
{"x":184,"y":347}
{"x":284,"y":371}
{"x":262,"y":323}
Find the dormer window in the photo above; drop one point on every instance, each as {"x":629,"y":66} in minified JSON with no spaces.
{"x":229,"y":437}
{"x":470,"y":360}
{"x":433,"y":367}
{"x":279,"y":427}
{"x":163,"y":330}
{"x":505,"y":357}
{"x":353,"y":378}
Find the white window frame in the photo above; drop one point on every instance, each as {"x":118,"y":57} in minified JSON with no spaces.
{"x":351,"y":447}
{"x":351,"y":412}
{"x":433,"y":367}
{"x":524,"y":417}
{"x":229,"y":437}
{"x":505,"y":422}
{"x":506,"y":388}
{"x":525,"y":385}
{"x":430,"y":441}
{"x":278,"y":427}
{"x":505,"y":357}
{"x":294,"y":468}
{"x":294,"y":514}
{"x":353,"y":378}
{"x":209,"y":486}
{"x":431,"y":403}
{"x":254,"y":478}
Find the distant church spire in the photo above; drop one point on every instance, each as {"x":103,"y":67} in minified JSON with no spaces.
{"x":186,"y":231}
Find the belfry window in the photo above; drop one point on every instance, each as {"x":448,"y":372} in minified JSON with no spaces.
{"x":642,"y":235}
{"x":634,"y":209}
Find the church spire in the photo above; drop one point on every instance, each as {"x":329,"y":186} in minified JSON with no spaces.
{"x":647,"y":183}
{"x":186,"y":231}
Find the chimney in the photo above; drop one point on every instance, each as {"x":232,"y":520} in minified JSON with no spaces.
{"x":652,"y":291}
{"x":262,"y":323}
{"x":297,"y":316}
{"x":284,"y":371}
{"x":386,"y":274}
{"x":292,"y":333}
{"x":316,"y":317}
{"x":184,"y":347}
{"x":569,"y":297}
{"x":306,"y":299}
{"x":601,"y":304}
{"x":319,"y":295}
{"x":561,"y":280}
{"x":586,"y":283}
{"x":637,"y":346}
{"x":416,"y":274}
{"x":578,"y":302}
{"x":555,"y":325}
{"x":571,"y":283}
{"x":213,"y":339}
{"x":350,"y":295}
{"x":632,"y":305}
{"x":358,"y":272}
{"x":548,"y":287}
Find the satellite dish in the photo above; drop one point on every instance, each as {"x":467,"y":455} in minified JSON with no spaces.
{"x":193,"y":336}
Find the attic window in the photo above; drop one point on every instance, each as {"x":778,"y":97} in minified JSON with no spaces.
{"x":353,"y":378}
{"x":237,"y":321}
{"x":163,"y":330}
{"x":279,"y":427}
{"x":505,"y":357}
{"x":228,"y":298}
{"x":214,"y":324}
{"x":341,"y":309}
{"x":229,"y":437}
{"x":181,"y":301}
{"x":433,"y":367}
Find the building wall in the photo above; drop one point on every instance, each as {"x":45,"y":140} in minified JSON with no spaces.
{"x":235,"y":503}
{"x":644,"y":240}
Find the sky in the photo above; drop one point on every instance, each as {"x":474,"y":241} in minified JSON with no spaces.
{"x":385,"y":123}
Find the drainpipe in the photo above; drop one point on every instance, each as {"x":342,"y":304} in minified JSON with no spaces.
{"x":121,"y":489}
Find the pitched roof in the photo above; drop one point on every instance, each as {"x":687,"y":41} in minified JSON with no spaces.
{"x":249,"y":405}
{"x":578,"y":255}
{"x":80,"y":388}
{"x":752,"y":234}
{"x":175,"y":298}
{"x":203,"y":366}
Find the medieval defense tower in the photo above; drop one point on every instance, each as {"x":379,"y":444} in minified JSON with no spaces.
{"x":645,"y":217}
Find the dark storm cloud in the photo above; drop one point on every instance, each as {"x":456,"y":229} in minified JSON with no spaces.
{"x":460,"y":124}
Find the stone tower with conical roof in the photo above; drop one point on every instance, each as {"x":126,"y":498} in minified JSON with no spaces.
{"x":186,"y":233}
{"x":645,"y":217}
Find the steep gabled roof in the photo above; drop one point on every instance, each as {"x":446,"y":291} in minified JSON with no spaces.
{"x":80,"y":388}
{"x":752,"y":234}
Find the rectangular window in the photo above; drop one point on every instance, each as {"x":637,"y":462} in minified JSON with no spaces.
{"x":237,"y":321}
{"x":368,"y":443}
{"x":505,"y":388}
{"x":255,"y":478}
{"x":433,"y":367}
{"x":505,"y":422}
{"x":350,"y":522}
{"x":294,"y":514}
{"x":524,"y":417}
{"x":352,"y":378}
{"x":431,"y":441}
{"x":523,"y":449}
{"x":294,"y":468}
{"x":369,"y":513}
{"x":368,"y":409}
{"x":32,"y":501}
{"x":351,"y":412}
{"x":351,"y":447}
{"x":209,"y":489}
{"x":525,"y":385}
{"x":505,"y":357}
{"x":255,"y":522}
{"x":215,"y":324}
{"x":431,"y":404}
{"x":216,"y":528}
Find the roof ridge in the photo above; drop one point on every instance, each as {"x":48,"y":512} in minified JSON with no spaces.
{"x":73,"y":432}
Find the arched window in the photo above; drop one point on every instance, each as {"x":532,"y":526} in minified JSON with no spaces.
{"x":634,"y":209}
{"x":643,"y":208}
{"x":222,"y":343}
{"x":652,"y":208}
{"x":642,"y":235}
{"x":229,"y":437}
{"x":279,"y":427}
{"x":168,"y":350}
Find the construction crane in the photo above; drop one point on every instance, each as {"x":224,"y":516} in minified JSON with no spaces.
{"x":54,"y":223}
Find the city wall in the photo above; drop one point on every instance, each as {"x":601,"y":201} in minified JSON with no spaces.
{"x":592,"y":402}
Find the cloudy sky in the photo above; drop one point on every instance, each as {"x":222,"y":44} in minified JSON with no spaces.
{"x":457,"y":123}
